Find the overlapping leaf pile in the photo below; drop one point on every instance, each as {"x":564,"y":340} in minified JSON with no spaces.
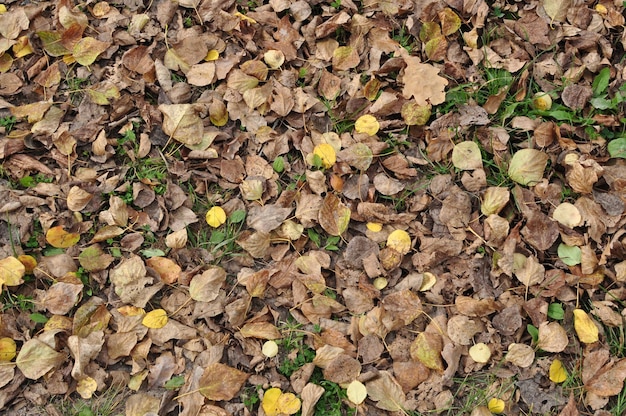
{"x":423,"y":191}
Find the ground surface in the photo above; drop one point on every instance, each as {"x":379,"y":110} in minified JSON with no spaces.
{"x":419,"y":206}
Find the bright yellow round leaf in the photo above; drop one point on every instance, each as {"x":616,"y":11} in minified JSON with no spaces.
{"x":28,"y":261}
{"x":3,"y":8}
{"x":496,"y":406}
{"x":326,"y":153}
{"x":558,"y":374}
{"x":270,"y":401}
{"x":480,"y":352}
{"x":400,"y":241}
{"x":288,"y":404}
{"x":212,"y":55}
{"x":374,"y":226}
{"x":155,"y":319}
{"x":215,"y":217}
{"x":7,"y":349}
{"x":367,"y":124}
{"x":380,"y":283}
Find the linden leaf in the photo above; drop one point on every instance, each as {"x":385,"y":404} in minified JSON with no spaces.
{"x":59,"y":238}
{"x":367,"y":123}
{"x":216,"y":216}
{"x":86,"y":50}
{"x":218,"y":114}
{"x":356,"y":392}
{"x":495,"y":199}
{"x":11,"y":271}
{"x":480,"y":353}
{"x":466,"y":156}
{"x":167,"y":269}
{"x":521,"y":355}
{"x":570,"y":255}
{"x":7,"y":349}
{"x":450,"y":21}
{"x":206,"y":287}
{"x":586,"y":329}
{"x":274,"y":58}
{"x":94,"y":259}
{"x":400,"y":241}
{"x":527,"y":165}
{"x":288,"y":404}
{"x":558,"y":374}
{"x":326,"y":153}
{"x":557,"y":9}
{"x":221,"y":382}
{"x":155,"y":319}
{"x":414,"y":114}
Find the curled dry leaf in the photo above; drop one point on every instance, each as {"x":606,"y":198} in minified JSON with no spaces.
{"x":334,"y":215}
{"x":480,"y":353}
{"x":521,"y":355}
{"x":494,"y":199}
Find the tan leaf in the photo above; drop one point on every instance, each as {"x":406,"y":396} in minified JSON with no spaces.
{"x":552,"y":337}
{"x":61,"y":297}
{"x":344,"y":58}
{"x":423,"y":82}
{"x":495,"y":199}
{"x":181,"y":122}
{"x":527,"y":165}
{"x":557,"y":9}
{"x":202,"y":74}
{"x":168,"y":271}
{"x":609,"y":380}
{"x":386,"y":392}
{"x":262,"y":330}
{"x":466,"y":156}
{"x":205,"y":287}
{"x":36,"y":358}
{"x":177,"y":239}
{"x":521,"y":355}
{"x":221,"y":382}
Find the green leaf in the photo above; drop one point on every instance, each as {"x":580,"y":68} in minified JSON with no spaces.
{"x":617,"y":147}
{"x":570,"y":255}
{"x":38,"y":318}
{"x":217,"y":237}
{"x":237,"y":216}
{"x":555,"y":311}
{"x":279,"y":164}
{"x":314,"y":236}
{"x":533,"y":331}
{"x":175,"y":383}
{"x":152,"y":252}
{"x":602,"y":103}
{"x":601,"y":81}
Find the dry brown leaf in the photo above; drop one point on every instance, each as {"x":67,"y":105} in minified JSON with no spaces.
{"x":552,"y":337}
{"x":386,"y":392}
{"x":221,"y":382}
{"x":422,"y":81}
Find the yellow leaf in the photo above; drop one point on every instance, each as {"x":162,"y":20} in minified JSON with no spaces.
{"x":155,"y":319}
{"x":270,"y":401}
{"x":7,"y":349}
{"x":367,"y":123}
{"x":374,"y":226}
{"x":22,"y":47}
{"x":586,"y":329}
{"x":244,"y":17}
{"x":212,"y":55}
{"x":326,"y":153}
{"x":274,"y":58}
{"x":87,"y":50}
{"x":3,"y":8}
{"x":400,"y":241}
{"x":11,"y":271}
{"x":270,"y":349}
{"x":288,"y":404}
{"x":28,"y":261}
{"x":356,"y":392}
{"x":480,"y":353}
{"x":215,"y":217}
{"x":558,"y":374}
{"x":59,"y":238}
{"x":496,"y":406}
{"x":86,"y":387}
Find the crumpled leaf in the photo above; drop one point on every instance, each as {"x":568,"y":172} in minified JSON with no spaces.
{"x":527,"y":165}
{"x":334,"y":215}
{"x":423,"y":82}
{"x":400,"y":241}
{"x":275,"y":402}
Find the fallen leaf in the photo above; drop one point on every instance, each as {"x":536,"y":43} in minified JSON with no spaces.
{"x":205,"y":287}
{"x":521,"y":355}
{"x":496,"y":406}
{"x":527,"y":165}
{"x":8,"y":349}
{"x":334,"y":216}
{"x":367,"y":124}
{"x":480,"y":353}
{"x":356,"y":392}
{"x":552,"y":337}
{"x":326,"y":153}
{"x":59,"y":238}
{"x":386,"y":392}
{"x":557,"y":372}
{"x":36,"y":358}
{"x":466,"y":156}
{"x":11,"y":272}
{"x":215,"y":216}
{"x":155,"y":319}
{"x":427,"y":349}
{"x":585,"y":327}
{"x":422,"y":81}
{"x":221,"y":382}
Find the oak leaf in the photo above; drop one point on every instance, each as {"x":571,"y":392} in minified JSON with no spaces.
{"x":423,"y":82}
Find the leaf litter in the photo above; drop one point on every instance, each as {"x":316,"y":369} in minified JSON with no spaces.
{"x":304,"y":206}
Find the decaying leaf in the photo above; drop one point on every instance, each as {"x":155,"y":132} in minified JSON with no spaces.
{"x":386,"y":392}
{"x":36,"y":358}
{"x":521,"y":355}
{"x":334,"y":215}
{"x":427,"y":349}
{"x":11,"y":272}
